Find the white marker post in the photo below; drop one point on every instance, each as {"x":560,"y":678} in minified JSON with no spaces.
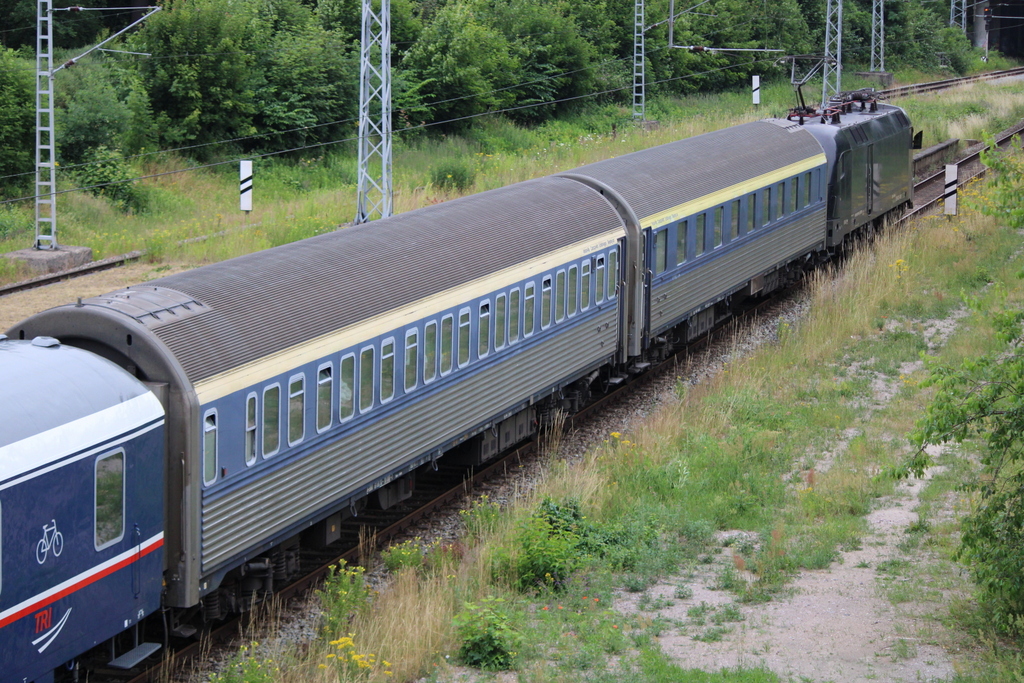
{"x":245,"y":188}
{"x":949,"y":194}
{"x":757,"y":89}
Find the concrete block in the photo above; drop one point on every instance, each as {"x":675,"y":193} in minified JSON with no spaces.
{"x":884,"y":78}
{"x":43,"y":261}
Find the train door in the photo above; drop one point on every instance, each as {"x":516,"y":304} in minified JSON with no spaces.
{"x":870,"y":181}
{"x":651,"y":255}
{"x":128,"y":531}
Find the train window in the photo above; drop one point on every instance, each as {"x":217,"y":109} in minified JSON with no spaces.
{"x":429,"y":351}
{"x":805,"y":185}
{"x":735,"y":220}
{"x":109,"y":500}
{"x":791,"y":196}
{"x":347,"y":388}
{"x":681,"y":242}
{"x":250,"y":429}
{"x":751,"y":208}
{"x":271,"y":420}
{"x":387,"y":370}
{"x":766,"y":206}
{"x":701,"y":234}
{"x":296,"y":409}
{"x":324,"y":396}
{"x":483,"y":330}
{"x":209,"y":447}
{"x":366,"y":379}
{"x":613,"y":273}
{"x":660,"y":251}
{"x":572,"y":296}
{"x":718,"y":227}
{"x":447,"y":342}
{"x":585,"y":286}
{"x":559,"y":296}
{"x":545,"y":302}
{"x":529,"y":310}
{"x":777,"y":207}
{"x":464,"y":337}
{"x":599,"y":279}
{"x":513,"y":316}
{"x":411,"y":358}
{"x":500,"y":303}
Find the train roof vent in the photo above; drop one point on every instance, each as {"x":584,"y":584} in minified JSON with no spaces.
{"x":151,"y":306}
{"x":791,"y":126}
{"x":45,"y":342}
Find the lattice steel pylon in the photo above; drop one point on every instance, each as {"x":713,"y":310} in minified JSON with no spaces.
{"x":639,"y":58}
{"x":832,"y":70}
{"x":375,"y":191}
{"x":46,"y":159}
{"x":878,"y":35}
{"x":958,"y":14}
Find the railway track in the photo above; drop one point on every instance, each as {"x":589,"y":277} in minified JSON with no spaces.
{"x":130,"y":257}
{"x":929,"y":189}
{"x":933,"y":86}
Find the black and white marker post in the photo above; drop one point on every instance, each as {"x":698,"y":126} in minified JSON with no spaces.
{"x":949,"y":194}
{"x":245,"y":187}
{"x":757,"y":89}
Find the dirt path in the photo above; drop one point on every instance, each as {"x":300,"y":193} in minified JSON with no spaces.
{"x":835,"y":626}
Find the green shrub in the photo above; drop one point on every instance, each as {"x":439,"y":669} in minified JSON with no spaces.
{"x":17,"y":121}
{"x":107,"y":174}
{"x":14,"y":223}
{"x":344,"y":594}
{"x":452,"y":174}
{"x":488,"y":639}
{"x":558,"y":539}
{"x":546,"y":557}
{"x":481,"y":517}
{"x":406,"y":554}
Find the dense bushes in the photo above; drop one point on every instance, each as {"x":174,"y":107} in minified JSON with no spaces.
{"x":981,"y":400}
{"x":16,"y":121}
{"x":229,"y":77}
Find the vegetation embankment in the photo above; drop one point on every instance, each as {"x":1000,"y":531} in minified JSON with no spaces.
{"x":793,"y":444}
{"x":217,"y":80}
{"x":300,"y":199}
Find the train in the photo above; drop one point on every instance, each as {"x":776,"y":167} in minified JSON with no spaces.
{"x":167,"y":449}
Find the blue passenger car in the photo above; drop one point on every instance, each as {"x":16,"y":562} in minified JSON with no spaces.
{"x":81,"y":504}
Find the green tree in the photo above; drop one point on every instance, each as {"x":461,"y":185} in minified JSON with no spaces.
{"x":90,"y":111}
{"x":70,"y":29}
{"x":464,"y":65}
{"x":306,"y":81}
{"x":983,"y":399}
{"x":200,"y":79}
{"x":17,"y":120}
{"x":554,"y":60}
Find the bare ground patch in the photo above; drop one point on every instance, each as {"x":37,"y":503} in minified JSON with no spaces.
{"x":16,"y":307}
